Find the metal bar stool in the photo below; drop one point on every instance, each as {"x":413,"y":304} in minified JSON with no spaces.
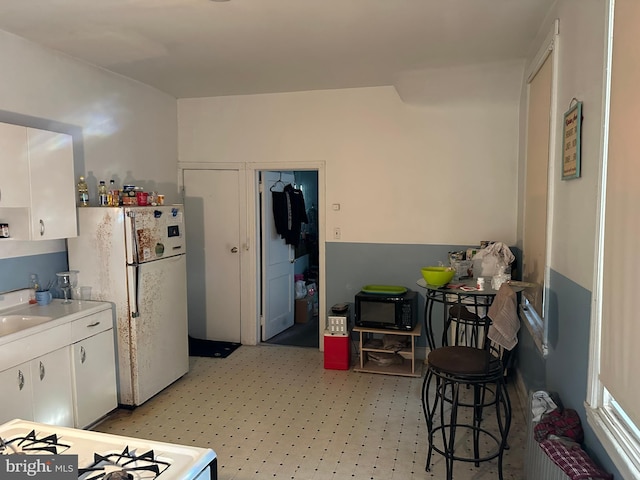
{"x":476,"y":364}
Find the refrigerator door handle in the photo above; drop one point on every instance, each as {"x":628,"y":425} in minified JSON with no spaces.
{"x":136,"y":309}
{"x":134,"y":237}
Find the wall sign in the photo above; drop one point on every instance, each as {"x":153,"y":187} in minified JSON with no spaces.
{"x":571,"y":133}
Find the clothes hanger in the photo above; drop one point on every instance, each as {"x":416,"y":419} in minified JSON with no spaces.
{"x":277,"y":182}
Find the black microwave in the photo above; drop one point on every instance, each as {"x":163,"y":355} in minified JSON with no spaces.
{"x":392,"y":311}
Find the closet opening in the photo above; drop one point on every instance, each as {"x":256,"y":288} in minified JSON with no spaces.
{"x":289,"y":257}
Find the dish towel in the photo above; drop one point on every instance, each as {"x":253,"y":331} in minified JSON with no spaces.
{"x":505,"y":323}
{"x":541,"y":403}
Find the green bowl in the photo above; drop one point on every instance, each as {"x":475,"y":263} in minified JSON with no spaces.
{"x":437,"y":276}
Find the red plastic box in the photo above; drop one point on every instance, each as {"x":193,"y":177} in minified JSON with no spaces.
{"x":337,"y":352}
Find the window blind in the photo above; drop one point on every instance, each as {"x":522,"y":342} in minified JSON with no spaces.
{"x":620,"y":347}
{"x":536,"y":184}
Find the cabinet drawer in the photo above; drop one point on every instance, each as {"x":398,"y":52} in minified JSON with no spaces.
{"x":28,"y":348}
{"x":86,"y":327}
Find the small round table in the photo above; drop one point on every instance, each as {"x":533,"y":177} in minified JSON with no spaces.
{"x":466,"y":295}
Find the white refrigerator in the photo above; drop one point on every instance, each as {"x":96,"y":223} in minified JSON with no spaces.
{"x":135,"y":257}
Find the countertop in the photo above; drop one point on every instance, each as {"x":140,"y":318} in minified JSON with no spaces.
{"x":59,"y":312}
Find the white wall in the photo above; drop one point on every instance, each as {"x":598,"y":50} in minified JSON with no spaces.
{"x":581,"y":75}
{"x":432,"y":172}
{"x":121,"y":128}
{"x":429,"y":172}
{"x":582,"y":56}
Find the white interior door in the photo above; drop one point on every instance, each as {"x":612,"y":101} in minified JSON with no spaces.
{"x":277,"y":263}
{"x":212,"y":222}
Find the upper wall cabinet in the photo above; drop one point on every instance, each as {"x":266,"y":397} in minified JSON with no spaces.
{"x":14,"y":164}
{"x":37,"y":191}
{"x":53,"y":198}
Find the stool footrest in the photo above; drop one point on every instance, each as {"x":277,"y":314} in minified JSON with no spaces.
{"x":484,"y":458}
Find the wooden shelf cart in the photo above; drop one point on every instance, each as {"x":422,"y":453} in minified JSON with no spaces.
{"x":408,"y":368}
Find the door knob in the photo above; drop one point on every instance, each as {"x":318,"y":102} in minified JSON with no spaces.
{"x":234,"y":250}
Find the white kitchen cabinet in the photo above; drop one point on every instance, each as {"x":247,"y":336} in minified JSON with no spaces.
{"x":94,"y":371}
{"x":53,"y":198}
{"x":39,"y":390}
{"x":14,"y":164}
{"x":37,"y":188}
{"x":16,"y":400}
{"x":52,"y":397}
{"x":64,"y":372}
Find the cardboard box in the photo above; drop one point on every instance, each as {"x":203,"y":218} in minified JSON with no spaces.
{"x":303,"y":311}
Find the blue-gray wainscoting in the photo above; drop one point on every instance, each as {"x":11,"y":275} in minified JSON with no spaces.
{"x":350,"y":266}
{"x":566,"y":367}
{"x":14,"y":272}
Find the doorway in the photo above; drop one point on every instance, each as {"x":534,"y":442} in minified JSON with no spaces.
{"x":238,"y":236}
{"x":304,"y":262}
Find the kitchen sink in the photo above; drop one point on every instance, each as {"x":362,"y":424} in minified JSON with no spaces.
{"x":14,"y":323}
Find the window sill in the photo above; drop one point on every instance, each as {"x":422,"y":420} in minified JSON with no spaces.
{"x":613,"y":436}
{"x":535,"y":325}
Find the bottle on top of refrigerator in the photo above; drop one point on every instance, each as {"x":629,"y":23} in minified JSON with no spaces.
{"x":114,"y":194}
{"x":103,"y":196}
{"x":83,"y":192}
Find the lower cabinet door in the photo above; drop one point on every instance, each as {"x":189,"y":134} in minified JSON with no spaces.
{"x":94,"y":378}
{"x":52,"y":397}
{"x":16,"y":398}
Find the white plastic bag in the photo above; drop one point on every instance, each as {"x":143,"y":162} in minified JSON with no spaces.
{"x":301,"y":289}
{"x":487,"y":262}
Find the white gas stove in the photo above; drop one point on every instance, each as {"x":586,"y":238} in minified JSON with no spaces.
{"x":109,"y":457}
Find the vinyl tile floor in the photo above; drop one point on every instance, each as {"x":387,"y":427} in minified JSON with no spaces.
{"x":274,"y":412}
{"x":299,"y":335}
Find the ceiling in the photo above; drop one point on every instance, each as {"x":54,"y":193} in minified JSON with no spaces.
{"x":201,"y":48}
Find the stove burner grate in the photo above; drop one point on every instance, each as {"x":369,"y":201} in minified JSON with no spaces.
{"x":32,"y":444}
{"x":124,"y":466}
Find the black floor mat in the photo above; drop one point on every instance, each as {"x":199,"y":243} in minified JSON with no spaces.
{"x":211,"y":348}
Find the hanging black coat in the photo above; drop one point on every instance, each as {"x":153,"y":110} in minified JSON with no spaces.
{"x":289,"y":213}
